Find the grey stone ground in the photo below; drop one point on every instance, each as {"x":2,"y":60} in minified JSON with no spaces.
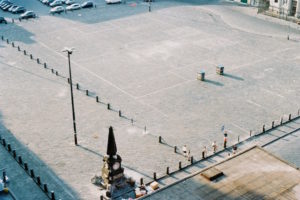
{"x":146,"y":65}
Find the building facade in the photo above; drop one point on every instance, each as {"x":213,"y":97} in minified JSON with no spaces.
{"x":285,"y":7}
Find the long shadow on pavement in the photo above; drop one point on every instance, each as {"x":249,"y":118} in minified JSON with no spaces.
{"x":62,"y":190}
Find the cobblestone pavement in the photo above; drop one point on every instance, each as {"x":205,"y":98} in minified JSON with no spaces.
{"x":144,"y":64}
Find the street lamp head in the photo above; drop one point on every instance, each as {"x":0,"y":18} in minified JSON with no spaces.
{"x":69,"y":50}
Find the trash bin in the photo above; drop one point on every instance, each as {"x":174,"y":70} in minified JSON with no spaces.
{"x":220,"y":70}
{"x":201,"y":76}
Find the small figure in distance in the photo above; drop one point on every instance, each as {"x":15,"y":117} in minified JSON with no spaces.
{"x":189,"y":155}
{"x":214,"y":146}
{"x":184,"y":150}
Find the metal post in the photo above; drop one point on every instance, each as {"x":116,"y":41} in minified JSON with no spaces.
{"x":72,"y":98}
{"x":141,"y":181}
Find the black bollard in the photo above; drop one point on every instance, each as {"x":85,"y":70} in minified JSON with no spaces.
{"x":120,"y":113}
{"x":19,"y":48}
{"x":87,"y":92}
{"x":7,"y":41}
{"x":77,"y":86}
{"x":8,"y":147}
{"x":273,"y":124}
{"x":56,"y":73}
{"x":192,"y":159}
{"x":26,"y":166}
{"x":108,"y":106}
{"x":179,"y":165}
{"x":2,"y":38}
{"x":141,"y":181}
{"x":20,"y":160}
{"x":32,"y":173}
{"x":281,"y":120}
{"x":52,"y":195}
{"x":13,"y":44}
{"x":38,"y":61}
{"x":68,"y":80}
{"x":290,"y":117}
{"x":14,"y":153}
{"x":154,"y":176}
{"x":175,"y":149}
{"x":45,"y":65}
{"x":159,"y":139}
{"x":4,"y":177}
{"x":263,"y":129}
{"x":97,"y":99}
{"x":52,"y":70}
{"x":168,"y":171}
{"x":24,"y":52}
{"x":31,"y":57}
{"x":45,"y":188}
{"x":38,"y":179}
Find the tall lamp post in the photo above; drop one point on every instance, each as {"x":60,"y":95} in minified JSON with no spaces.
{"x":69,"y":52}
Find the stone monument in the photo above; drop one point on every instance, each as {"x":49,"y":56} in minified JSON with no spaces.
{"x":112,"y":178}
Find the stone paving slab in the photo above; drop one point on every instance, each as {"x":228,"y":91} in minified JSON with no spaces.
{"x":146,"y":65}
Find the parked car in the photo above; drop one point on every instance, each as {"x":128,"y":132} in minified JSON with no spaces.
{"x":2,"y":3}
{"x":12,"y":8}
{"x":2,"y":20}
{"x":48,"y":2}
{"x":6,"y":7}
{"x":112,"y":1}
{"x":56,"y":3}
{"x":69,"y":2}
{"x":19,"y":9}
{"x":74,"y":6}
{"x":27,"y":15}
{"x":57,"y":9}
{"x":87,"y":4}
{"x":6,"y":3}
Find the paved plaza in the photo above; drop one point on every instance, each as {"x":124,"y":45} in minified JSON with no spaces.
{"x":144,"y":64}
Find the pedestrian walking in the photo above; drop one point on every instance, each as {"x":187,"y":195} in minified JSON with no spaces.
{"x":225,"y":140}
{"x":184,"y":150}
{"x":189,"y":155}
{"x":204,"y":152}
{"x":214,"y":146}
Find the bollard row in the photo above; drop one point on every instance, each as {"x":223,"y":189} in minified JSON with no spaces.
{"x":24,"y":165}
{"x":53,"y":71}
